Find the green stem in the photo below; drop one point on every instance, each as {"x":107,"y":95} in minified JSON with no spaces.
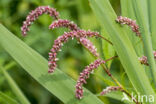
{"x":111,"y":76}
{"x":14,"y":87}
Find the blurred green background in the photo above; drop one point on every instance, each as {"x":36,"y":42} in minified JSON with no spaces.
{"x":73,"y":57}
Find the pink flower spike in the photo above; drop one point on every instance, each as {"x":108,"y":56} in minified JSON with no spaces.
{"x":33,"y":15}
{"x":58,"y":43}
{"x":88,"y":44}
{"x":129,"y":22}
{"x":143,"y":60}
{"x":110,"y":89}
{"x":64,"y":23}
{"x":85,"y":75}
{"x":80,"y":35}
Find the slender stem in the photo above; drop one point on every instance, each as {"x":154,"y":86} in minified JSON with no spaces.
{"x":111,"y":58}
{"x":109,"y":74}
{"x":105,"y":39}
{"x":131,"y":97}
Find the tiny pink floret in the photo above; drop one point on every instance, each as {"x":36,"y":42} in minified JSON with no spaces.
{"x":143,"y":60}
{"x":89,"y":45}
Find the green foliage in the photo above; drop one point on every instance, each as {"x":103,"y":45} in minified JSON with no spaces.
{"x":6,"y":99}
{"x":30,"y":71}
{"x":58,"y":84}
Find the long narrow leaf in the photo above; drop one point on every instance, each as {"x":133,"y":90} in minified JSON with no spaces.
{"x":128,"y":11}
{"x":15,"y":88}
{"x":152,"y":17}
{"x":58,"y":83}
{"x":8,"y":100}
{"x":123,"y":46}
{"x":144,"y":26}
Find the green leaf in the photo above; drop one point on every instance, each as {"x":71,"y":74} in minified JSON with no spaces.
{"x":152,"y":20}
{"x":15,"y":88}
{"x":128,"y":11}
{"x":141,"y":14}
{"x":123,"y":46}
{"x":58,"y":83}
{"x":118,"y":96}
{"x":7,"y":99}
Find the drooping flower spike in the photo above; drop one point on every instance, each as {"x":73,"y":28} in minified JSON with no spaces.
{"x":84,"y":75}
{"x":110,"y":89}
{"x":33,"y":15}
{"x":73,"y":27}
{"x":58,"y":43}
{"x":64,"y":23}
{"x":144,"y":60}
{"x":129,"y":22}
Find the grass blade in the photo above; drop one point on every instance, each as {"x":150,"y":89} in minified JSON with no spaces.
{"x":58,"y":83}
{"x":128,"y":11}
{"x":123,"y":46}
{"x":8,"y":100}
{"x":144,"y":26}
{"x":152,"y":17}
{"x":15,"y":88}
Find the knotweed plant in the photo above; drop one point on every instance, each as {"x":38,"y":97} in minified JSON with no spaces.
{"x":129,"y":38}
{"x":82,"y":37}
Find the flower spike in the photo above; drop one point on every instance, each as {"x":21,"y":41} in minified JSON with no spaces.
{"x":85,"y":75}
{"x":110,"y":89}
{"x":64,"y":23}
{"x":129,"y":22}
{"x":143,"y":59}
{"x":58,"y":43}
{"x":33,"y":15}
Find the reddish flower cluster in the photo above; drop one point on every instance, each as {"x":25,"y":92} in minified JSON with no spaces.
{"x":63,"y":23}
{"x":85,"y":75}
{"x":58,"y":43}
{"x":110,"y":89}
{"x":76,"y":32}
{"x":88,"y":44}
{"x":129,"y":22}
{"x":143,"y":60}
{"x":33,"y":15}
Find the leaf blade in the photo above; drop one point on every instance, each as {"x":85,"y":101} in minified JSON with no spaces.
{"x":122,"y":45}
{"x":61,"y":85}
{"x":7,"y":99}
